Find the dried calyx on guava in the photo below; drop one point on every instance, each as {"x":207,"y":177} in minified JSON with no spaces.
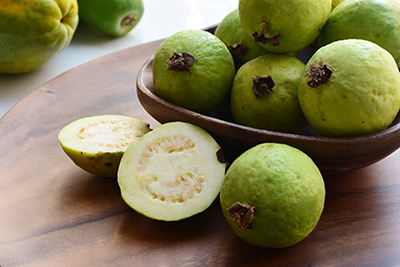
{"x":272,"y":195}
{"x":262,"y":85}
{"x":97,"y":143}
{"x":180,"y":62}
{"x":319,"y":73}
{"x":172,"y":173}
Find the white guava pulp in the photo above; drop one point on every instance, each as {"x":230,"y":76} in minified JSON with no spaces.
{"x":171,"y":173}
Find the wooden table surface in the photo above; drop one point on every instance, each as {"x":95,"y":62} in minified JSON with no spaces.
{"x":54,"y":214}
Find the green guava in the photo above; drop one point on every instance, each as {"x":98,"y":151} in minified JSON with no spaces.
{"x":373,"y":20}
{"x":112,"y":17}
{"x":273,"y":195}
{"x":241,"y":45}
{"x":284,"y":25}
{"x":349,"y":88}
{"x":34,"y":32}
{"x":171,"y":173}
{"x":193,"y":69}
{"x":97,"y":143}
{"x":264,"y":94}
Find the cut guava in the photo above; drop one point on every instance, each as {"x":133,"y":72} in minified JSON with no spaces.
{"x":273,"y":195}
{"x":97,"y":143}
{"x":172,"y":173}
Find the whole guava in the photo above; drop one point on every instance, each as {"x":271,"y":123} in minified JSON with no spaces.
{"x":34,"y":32}
{"x":273,"y":195}
{"x":193,"y":69}
{"x":284,"y":25}
{"x":264,"y":94}
{"x":373,"y":20}
{"x":350,"y":88}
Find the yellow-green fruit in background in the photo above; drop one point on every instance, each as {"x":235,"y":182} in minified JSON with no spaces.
{"x":273,"y":195}
{"x":34,"y":32}
{"x":373,"y":20}
{"x":350,"y":88}
{"x":112,"y":17}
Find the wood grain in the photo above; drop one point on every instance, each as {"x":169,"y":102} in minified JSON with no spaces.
{"x":54,"y":214}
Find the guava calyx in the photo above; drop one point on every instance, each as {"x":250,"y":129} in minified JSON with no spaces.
{"x":243,"y":215}
{"x":128,"y":20}
{"x":319,"y":73}
{"x":262,"y":85}
{"x":237,"y":51}
{"x":180,"y":62}
{"x":260,"y":37}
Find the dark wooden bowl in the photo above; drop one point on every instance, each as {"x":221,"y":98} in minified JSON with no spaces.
{"x":332,"y":155}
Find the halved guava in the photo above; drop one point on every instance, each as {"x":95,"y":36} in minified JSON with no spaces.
{"x":97,"y":143}
{"x":171,"y":173}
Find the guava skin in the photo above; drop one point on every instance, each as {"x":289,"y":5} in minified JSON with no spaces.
{"x":276,"y":110}
{"x":34,"y":32}
{"x":278,"y":194}
{"x":201,"y":86}
{"x":373,"y":20}
{"x":112,"y":17}
{"x":350,"y":88}
{"x":284,"y":25}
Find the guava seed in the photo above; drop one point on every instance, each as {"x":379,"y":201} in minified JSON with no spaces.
{"x":319,"y":73}
{"x":180,"y":62}
{"x":262,"y":38}
{"x":242,"y":215}
{"x":262,"y":85}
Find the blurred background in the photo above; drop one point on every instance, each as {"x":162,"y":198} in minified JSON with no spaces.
{"x":160,"y":19}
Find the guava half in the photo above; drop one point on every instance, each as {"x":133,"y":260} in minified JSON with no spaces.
{"x":273,"y":195}
{"x":350,"y":88}
{"x":171,"y":173}
{"x":283,"y":26}
{"x":97,"y":143}
{"x":193,"y":69}
{"x":264,"y":94}
{"x":373,"y":20}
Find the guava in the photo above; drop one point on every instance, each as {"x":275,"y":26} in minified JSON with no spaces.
{"x":273,"y":195}
{"x":34,"y":32}
{"x":172,"y":173}
{"x":112,"y":17}
{"x":283,"y":26}
{"x":335,"y":3}
{"x":264,"y":94}
{"x":97,"y":143}
{"x":350,"y":88}
{"x":193,"y":69}
{"x":373,"y":20}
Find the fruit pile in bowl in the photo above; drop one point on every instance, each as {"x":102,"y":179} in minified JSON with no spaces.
{"x":250,"y":80}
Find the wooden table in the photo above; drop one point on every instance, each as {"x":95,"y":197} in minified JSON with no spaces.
{"x":54,"y":214}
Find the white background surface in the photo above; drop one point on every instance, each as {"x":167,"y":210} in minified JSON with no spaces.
{"x":161,"y":19}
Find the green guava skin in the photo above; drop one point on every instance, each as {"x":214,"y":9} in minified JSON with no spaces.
{"x":207,"y":82}
{"x":34,"y":32}
{"x":373,"y":20}
{"x":296,"y":24}
{"x":362,"y":95}
{"x":285,"y":187}
{"x":277,"y":111}
{"x":335,"y":3}
{"x":112,"y":17}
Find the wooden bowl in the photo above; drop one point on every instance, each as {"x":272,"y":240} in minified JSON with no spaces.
{"x":332,"y":155}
